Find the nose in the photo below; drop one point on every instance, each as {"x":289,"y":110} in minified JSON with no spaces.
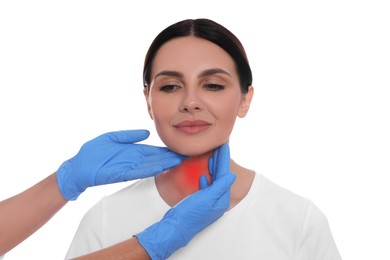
{"x":191,"y":104}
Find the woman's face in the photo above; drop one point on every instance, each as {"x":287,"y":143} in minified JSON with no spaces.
{"x":194,"y":96}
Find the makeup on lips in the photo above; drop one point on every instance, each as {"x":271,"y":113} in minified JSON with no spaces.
{"x":192,"y":126}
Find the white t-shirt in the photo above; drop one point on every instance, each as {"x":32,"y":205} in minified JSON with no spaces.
{"x":269,"y":223}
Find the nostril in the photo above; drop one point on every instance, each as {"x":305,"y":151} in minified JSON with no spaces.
{"x":190,"y":106}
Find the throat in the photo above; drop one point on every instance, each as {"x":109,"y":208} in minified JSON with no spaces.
{"x":183,"y":180}
{"x":190,"y":171}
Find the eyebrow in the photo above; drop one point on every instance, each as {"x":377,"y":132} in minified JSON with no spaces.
{"x":213,"y":71}
{"x":204,"y":73}
{"x":169,"y":73}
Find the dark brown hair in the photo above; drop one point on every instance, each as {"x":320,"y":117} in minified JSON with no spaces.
{"x":208,"y":30}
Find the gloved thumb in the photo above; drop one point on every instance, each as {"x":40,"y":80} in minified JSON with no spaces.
{"x":128,"y":136}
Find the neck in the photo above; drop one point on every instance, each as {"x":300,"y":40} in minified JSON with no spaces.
{"x":183,"y":180}
{"x":189,"y":172}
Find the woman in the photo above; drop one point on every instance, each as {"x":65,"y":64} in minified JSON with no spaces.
{"x":197,"y":80}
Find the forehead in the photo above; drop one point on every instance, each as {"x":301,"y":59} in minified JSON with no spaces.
{"x":191,"y":54}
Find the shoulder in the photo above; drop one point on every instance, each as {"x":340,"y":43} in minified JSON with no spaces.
{"x":273,"y":194}
{"x":129,"y":195}
{"x":109,"y":212}
{"x":307,"y":223}
{"x":137,"y":188}
{"x":282,"y":203}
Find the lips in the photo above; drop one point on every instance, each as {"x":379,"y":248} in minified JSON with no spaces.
{"x":192,"y":126}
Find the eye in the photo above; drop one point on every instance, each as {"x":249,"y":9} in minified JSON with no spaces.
{"x":214,"y":87}
{"x":169,"y":88}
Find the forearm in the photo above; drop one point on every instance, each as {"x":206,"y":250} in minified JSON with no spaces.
{"x":129,"y":249}
{"x":23,"y":214}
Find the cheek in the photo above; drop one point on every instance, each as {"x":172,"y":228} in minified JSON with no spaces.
{"x":162,"y":111}
{"x":226,"y":114}
{"x":226,"y":124}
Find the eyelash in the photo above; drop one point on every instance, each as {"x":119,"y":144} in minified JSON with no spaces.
{"x":214,"y":87}
{"x":210,"y":87}
{"x":168,"y":88}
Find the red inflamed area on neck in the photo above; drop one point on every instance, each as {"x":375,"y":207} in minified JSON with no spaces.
{"x":191,"y":170}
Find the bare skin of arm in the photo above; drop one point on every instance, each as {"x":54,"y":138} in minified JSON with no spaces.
{"x":24,"y":213}
{"x":128,"y":249}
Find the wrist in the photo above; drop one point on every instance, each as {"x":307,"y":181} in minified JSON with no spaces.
{"x":67,"y":187}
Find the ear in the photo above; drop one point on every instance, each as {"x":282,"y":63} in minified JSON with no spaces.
{"x":146,"y":95}
{"x":245,"y":103}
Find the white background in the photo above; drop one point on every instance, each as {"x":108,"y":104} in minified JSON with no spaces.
{"x":319,"y":124}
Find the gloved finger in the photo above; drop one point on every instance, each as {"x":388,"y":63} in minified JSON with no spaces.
{"x":145,"y":170}
{"x":140,"y":155}
{"x":220,"y":162}
{"x":160,"y":152}
{"x":223,"y":161}
{"x":203,"y":182}
{"x":127,"y":136}
{"x":212,"y":164}
{"x":137,"y":154}
{"x":158,"y":165}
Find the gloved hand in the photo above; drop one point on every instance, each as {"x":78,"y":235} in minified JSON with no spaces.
{"x":194,"y":213}
{"x":110,"y":158}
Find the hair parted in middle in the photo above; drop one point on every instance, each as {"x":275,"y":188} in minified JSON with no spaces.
{"x":210,"y":31}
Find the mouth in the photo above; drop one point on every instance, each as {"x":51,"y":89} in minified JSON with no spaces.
{"x":192,"y":126}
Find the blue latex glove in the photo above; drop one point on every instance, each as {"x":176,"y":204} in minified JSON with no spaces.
{"x":194,"y":213}
{"x":110,"y":158}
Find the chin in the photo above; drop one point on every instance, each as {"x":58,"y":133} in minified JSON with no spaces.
{"x":193,"y":150}
{"x":193,"y":145}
